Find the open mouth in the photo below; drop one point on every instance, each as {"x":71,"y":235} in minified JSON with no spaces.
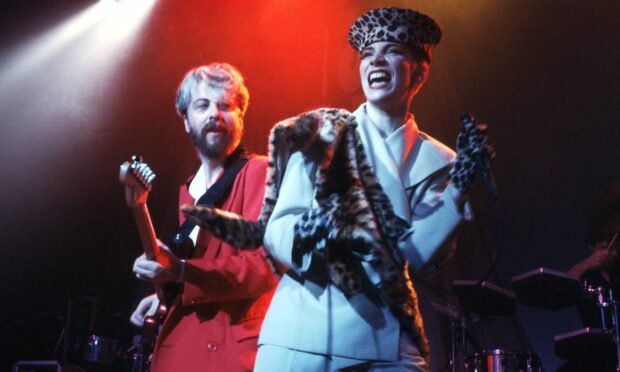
{"x":378,"y":79}
{"x":212,"y":129}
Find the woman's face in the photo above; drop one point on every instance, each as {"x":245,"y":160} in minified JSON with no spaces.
{"x":390,"y":72}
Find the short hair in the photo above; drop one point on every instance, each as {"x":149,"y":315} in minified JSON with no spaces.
{"x":218,"y":75}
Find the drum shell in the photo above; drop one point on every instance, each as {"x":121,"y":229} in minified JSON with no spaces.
{"x":499,"y":360}
{"x":99,"y":349}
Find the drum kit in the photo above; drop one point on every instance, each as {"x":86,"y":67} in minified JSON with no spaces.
{"x":100,"y":351}
{"x":95,"y":353}
{"x":89,"y":341}
{"x":552,"y":290}
{"x":479,"y":301}
{"x":541,"y":288}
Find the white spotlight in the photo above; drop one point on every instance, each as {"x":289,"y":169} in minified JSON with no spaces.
{"x":35,"y":52}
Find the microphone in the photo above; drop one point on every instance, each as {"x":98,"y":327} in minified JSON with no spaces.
{"x":482,"y":159}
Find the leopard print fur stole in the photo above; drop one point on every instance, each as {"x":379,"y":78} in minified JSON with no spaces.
{"x":354,"y":230}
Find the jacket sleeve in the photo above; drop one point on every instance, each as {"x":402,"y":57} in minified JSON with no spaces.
{"x":296,"y":196}
{"x":438,"y":211}
{"x":233,"y":273}
{"x":244,"y":275}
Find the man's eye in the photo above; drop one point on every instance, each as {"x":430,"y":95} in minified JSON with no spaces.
{"x":201,"y":105}
{"x":224,"y":107}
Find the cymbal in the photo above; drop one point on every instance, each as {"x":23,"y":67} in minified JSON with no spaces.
{"x":583,"y":343}
{"x":447,"y":309}
{"x":484,"y":298}
{"x":547,"y":289}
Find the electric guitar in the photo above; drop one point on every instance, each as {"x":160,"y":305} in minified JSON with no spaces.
{"x":137,"y":177}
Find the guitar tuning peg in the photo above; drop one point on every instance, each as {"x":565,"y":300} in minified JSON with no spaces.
{"x":136,"y":158}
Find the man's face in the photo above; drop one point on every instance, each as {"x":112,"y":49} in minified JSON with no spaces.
{"x":213,"y":120}
{"x":390,"y":73}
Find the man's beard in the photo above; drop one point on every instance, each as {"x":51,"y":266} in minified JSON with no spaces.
{"x":213,"y":149}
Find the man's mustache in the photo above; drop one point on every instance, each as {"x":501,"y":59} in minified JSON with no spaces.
{"x":213,"y":125}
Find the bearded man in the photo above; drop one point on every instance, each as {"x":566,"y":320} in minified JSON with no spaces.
{"x":225,"y":291}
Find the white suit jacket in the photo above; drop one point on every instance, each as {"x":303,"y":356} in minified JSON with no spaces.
{"x":412,"y":168}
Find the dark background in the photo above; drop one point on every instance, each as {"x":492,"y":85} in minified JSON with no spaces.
{"x":543,"y":75}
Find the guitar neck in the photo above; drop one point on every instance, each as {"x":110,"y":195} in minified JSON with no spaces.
{"x":146,"y":230}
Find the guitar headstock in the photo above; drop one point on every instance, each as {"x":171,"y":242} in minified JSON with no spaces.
{"x":137,"y":177}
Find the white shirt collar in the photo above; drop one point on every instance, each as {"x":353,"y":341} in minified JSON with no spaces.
{"x":198,"y":185}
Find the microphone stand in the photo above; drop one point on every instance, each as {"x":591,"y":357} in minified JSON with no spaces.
{"x":483,"y":164}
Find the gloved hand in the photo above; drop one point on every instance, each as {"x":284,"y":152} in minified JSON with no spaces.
{"x":227,"y":226}
{"x":473,"y":150}
{"x":311,"y":233}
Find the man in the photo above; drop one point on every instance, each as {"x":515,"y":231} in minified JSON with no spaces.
{"x":225,"y":291}
{"x":347,"y":224}
{"x":602,"y":267}
{"x":600,"y":271}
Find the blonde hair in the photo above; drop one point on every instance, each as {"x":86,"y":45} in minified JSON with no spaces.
{"x":218,"y":75}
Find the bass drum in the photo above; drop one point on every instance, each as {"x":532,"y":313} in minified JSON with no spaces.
{"x":499,"y":360}
{"x":101,"y":350}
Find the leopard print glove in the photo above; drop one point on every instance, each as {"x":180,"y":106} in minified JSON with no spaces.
{"x":310,"y":235}
{"x":227,"y":226}
{"x":315,"y":236}
{"x":471,"y":145}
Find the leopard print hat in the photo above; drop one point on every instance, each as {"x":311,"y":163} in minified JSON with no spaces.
{"x":400,"y":25}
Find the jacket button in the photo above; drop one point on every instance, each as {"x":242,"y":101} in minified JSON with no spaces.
{"x":212,"y":346}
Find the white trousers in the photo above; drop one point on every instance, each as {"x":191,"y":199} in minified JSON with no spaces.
{"x":272,"y":358}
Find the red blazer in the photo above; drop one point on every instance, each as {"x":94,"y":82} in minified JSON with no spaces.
{"x":215,"y":322}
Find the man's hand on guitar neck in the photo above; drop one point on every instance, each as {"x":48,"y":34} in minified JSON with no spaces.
{"x":155,"y":272}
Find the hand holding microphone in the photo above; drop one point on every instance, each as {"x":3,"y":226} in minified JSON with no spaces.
{"x":474,"y":153}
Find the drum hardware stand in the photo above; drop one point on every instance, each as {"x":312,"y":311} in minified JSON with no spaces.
{"x":67,"y":333}
{"x":485,"y":299}
{"x":457,"y":361}
{"x":457,"y":325}
{"x":604,"y":303}
{"x":144,"y":343}
{"x":553,"y":290}
{"x":599,"y":294}
{"x":141,"y":362}
{"x":64,"y":337}
{"x":533,"y":362}
{"x":615,"y":321}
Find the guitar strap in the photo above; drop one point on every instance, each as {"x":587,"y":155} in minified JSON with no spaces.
{"x":213,"y":197}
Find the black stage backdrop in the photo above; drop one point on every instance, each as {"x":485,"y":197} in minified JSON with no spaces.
{"x":74,"y":106}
